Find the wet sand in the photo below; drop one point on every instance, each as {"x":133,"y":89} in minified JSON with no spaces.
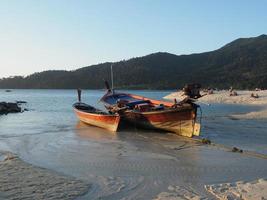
{"x":255,"y":190}
{"x":19,"y":180}
{"x":148,"y":166}
{"x":144,"y":164}
{"x":126,"y":165}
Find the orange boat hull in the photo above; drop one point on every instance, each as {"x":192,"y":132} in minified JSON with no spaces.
{"x":109,"y":122}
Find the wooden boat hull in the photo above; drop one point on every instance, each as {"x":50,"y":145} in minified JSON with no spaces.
{"x":109,"y":122}
{"x":180,"y":119}
{"x":181,"y":122}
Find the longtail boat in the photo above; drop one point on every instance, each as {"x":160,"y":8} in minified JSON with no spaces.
{"x":96,"y":117}
{"x":93,"y":116}
{"x":155,"y":114}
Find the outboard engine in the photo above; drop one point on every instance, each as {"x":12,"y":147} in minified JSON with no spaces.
{"x":192,"y":90}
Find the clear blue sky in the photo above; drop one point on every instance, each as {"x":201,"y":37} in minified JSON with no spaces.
{"x":53,"y":34}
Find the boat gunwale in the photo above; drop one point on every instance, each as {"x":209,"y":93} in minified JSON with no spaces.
{"x":96,"y":114}
{"x":109,"y":94}
{"x":169,"y":109}
{"x":161,"y":111}
{"x":113,"y":127}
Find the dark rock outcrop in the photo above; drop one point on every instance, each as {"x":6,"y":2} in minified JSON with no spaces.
{"x":7,"y":107}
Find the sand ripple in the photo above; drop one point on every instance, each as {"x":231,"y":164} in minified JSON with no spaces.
{"x":179,"y":193}
{"x":256,"y":190}
{"x":19,"y":180}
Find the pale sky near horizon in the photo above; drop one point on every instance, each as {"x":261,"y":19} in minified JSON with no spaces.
{"x":66,"y":34}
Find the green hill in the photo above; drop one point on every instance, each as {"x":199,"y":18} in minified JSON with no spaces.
{"x":241,"y":64}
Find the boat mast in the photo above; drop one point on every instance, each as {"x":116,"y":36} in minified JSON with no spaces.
{"x":112,"y":88}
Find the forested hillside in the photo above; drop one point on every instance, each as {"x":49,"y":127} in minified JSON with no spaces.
{"x":241,"y":64}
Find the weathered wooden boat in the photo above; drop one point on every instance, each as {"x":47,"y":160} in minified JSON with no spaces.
{"x":156,"y":114}
{"x":96,"y":117}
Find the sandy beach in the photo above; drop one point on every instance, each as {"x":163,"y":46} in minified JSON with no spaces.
{"x":20,"y":180}
{"x":254,"y":190}
{"x":223,"y":97}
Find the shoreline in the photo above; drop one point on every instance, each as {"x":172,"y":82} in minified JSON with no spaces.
{"x":19,"y":180}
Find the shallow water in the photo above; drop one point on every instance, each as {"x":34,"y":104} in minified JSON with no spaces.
{"x":133,"y":163}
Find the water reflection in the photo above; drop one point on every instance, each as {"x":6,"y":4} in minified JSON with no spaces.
{"x":86,"y":131}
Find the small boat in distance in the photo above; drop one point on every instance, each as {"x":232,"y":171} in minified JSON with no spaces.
{"x":155,"y":114}
{"x":92,"y":116}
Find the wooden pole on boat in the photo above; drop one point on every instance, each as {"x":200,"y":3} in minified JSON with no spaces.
{"x":107,"y":86}
{"x":112,"y":86}
{"x":79,"y":91}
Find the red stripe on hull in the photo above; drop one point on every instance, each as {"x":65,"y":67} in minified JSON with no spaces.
{"x":153,"y":101}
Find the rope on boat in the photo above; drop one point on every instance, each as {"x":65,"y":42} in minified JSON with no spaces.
{"x":200,"y":119}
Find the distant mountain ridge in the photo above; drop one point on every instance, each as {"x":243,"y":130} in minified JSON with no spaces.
{"x":241,"y":64}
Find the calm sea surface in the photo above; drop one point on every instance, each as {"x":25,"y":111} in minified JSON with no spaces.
{"x":50,"y":135}
{"x":51,"y":111}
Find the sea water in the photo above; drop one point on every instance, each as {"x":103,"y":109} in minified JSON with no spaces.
{"x":51,"y":111}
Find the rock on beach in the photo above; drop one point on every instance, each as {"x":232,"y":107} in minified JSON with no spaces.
{"x":7,"y":107}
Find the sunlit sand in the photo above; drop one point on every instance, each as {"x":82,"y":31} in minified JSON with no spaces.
{"x":243,"y":98}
